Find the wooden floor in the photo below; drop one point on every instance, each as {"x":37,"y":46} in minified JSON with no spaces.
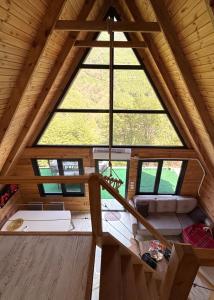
{"x":46,"y":267}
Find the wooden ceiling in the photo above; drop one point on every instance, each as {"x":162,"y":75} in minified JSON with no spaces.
{"x":37,"y":61}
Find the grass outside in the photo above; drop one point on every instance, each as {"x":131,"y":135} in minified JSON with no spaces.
{"x":55,"y":188}
{"x":167,"y":185}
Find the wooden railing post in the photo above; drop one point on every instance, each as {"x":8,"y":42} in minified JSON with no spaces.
{"x":95,"y":205}
{"x":182,"y":269}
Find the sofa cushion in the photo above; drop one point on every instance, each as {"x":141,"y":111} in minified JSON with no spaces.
{"x":165,"y":223}
{"x":143,"y":208}
{"x":165,"y":204}
{"x":146,"y":198}
{"x":185,"y":204}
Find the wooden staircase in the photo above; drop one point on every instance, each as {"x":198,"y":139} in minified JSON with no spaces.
{"x":124,"y":275}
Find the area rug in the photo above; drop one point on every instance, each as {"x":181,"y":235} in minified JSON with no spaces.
{"x":112,"y":216}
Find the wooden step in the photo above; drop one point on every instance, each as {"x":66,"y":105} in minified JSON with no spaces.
{"x":154,"y":288}
{"x":111,"y":278}
{"x":128,"y":278}
{"x":141,"y":283}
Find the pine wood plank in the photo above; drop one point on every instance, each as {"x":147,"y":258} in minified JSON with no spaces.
{"x":20,"y":144}
{"x":182,"y":64}
{"x":128,"y":279}
{"x":182,"y":269}
{"x":111,"y":279}
{"x":140,"y":282}
{"x":31,"y":63}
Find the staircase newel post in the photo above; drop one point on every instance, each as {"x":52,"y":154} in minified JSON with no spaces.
{"x":182,"y":269}
{"x":95,"y":205}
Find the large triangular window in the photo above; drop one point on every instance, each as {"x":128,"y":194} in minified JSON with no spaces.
{"x":82,"y":116}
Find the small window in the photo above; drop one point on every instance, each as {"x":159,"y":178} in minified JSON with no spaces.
{"x":56,"y":167}
{"x":148,"y":176}
{"x":160,"y":176}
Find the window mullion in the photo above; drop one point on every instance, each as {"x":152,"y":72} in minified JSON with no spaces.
{"x":181,"y":177}
{"x":158,"y":175}
{"x":61,"y":173}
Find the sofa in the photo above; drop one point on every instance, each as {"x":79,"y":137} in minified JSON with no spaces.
{"x":167,"y":213}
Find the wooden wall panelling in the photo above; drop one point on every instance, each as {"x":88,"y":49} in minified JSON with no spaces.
{"x":28,"y":100}
{"x":31,"y":62}
{"x":183,"y":65}
{"x":207,"y":196}
{"x":56,"y":66}
{"x":192,"y":179}
{"x":30,"y":192}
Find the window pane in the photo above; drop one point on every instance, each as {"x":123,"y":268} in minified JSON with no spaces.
{"x":124,"y":56}
{"x":132,"y":90}
{"x":144,"y":129}
{"x":99,"y":56}
{"x":71,"y":168}
{"x":169,"y":177}
{"x":148,"y":176}
{"x":76,"y":129}
{"x":90,"y":89}
{"x":49,"y":168}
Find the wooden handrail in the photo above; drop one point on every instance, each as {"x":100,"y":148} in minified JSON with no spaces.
{"x":133,"y":211}
{"x":43,"y":179}
{"x":94,"y":180}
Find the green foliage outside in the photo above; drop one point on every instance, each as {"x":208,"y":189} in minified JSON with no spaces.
{"x":90,"y":89}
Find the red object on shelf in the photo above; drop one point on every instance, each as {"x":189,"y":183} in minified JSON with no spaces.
{"x":198,"y":236}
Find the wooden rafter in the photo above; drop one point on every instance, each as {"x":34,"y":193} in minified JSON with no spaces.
{"x":106,"y":44}
{"x":164,"y":19}
{"x":29,"y":126}
{"x":199,"y":146}
{"x":96,"y":26}
{"x":31,"y":62}
{"x":210,"y":8}
{"x":150,"y":69}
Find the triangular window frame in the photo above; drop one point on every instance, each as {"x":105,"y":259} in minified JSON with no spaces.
{"x":112,"y":13}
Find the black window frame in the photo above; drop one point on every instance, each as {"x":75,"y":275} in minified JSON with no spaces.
{"x":112,"y":14}
{"x":158,"y":176}
{"x":61,"y":173}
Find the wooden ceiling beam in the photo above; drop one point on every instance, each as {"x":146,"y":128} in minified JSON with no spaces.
{"x":31,"y":62}
{"x":197,"y":144}
{"x":29,"y":127}
{"x":106,"y":44}
{"x":164,"y":19}
{"x":96,"y":26}
{"x":210,"y":8}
